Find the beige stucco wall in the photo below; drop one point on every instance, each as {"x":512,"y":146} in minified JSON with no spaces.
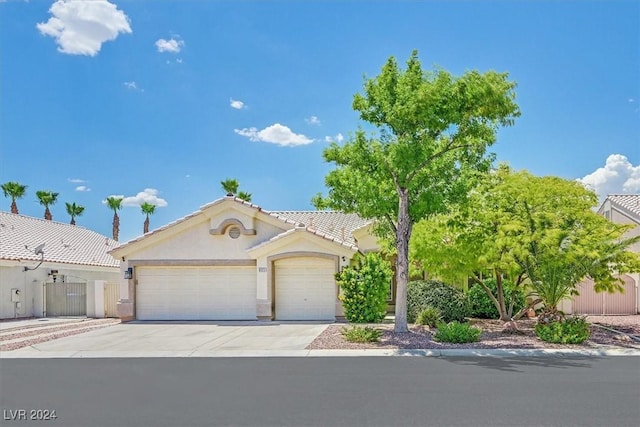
{"x":30,"y":283}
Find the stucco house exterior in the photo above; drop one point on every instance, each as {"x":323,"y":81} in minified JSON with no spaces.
{"x":49,"y":268}
{"x":620,"y":209}
{"x":233,"y":260}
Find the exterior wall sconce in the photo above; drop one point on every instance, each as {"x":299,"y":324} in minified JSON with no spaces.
{"x":128,"y":273}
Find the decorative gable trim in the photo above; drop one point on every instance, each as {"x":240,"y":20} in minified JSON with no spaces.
{"x":222,"y":228}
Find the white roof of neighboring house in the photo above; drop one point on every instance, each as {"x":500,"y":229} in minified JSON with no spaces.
{"x":627,"y":203}
{"x":63,"y":243}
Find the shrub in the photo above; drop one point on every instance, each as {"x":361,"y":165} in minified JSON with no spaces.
{"x":480,"y":305}
{"x":360,"y":334}
{"x":456,"y":332}
{"x":430,"y":316}
{"x":451,"y":302}
{"x":365,"y":287}
{"x":573,"y":330}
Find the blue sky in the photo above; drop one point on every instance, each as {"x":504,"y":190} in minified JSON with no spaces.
{"x":160,"y":101}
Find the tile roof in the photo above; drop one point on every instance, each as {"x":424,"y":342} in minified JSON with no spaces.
{"x":331,"y":225}
{"x":334,"y":225}
{"x":628,"y":203}
{"x":64,"y":243}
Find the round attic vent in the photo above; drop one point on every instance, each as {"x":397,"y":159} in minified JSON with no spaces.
{"x":234,"y":232}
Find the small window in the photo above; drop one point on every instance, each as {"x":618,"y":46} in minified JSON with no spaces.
{"x":234,"y":232}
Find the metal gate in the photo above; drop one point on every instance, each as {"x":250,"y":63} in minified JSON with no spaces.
{"x":66,"y":299}
{"x":111,"y":297}
{"x":591,"y":302}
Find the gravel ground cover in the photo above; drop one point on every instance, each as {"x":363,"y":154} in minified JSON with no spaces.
{"x":492,"y":336}
{"x":15,"y":338}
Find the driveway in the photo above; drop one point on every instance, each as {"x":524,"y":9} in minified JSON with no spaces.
{"x":180,"y":339}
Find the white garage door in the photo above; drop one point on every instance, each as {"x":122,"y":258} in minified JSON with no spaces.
{"x":305,"y":289}
{"x":202,"y":293}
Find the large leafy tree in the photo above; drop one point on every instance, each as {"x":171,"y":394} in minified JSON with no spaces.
{"x":74,"y":210}
{"x":433,"y":133}
{"x":46,"y":199}
{"x":536,"y":231}
{"x":15,"y":191}
{"x":115,"y":203}
{"x":147,"y":209}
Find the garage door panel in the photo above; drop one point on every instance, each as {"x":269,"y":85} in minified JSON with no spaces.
{"x":305,"y":289}
{"x":216,"y":293}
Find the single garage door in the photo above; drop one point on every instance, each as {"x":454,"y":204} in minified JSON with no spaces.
{"x":202,"y":293}
{"x":305,"y":289}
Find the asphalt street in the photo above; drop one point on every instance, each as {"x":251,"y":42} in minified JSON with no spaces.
{"x":354,"y":391}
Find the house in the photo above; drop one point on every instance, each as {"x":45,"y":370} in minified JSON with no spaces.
{"x":621,"y":209}
{"x":48,"y":268}
{"x":232,"y":260}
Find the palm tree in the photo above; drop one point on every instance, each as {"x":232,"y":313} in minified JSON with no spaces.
{"x":115,"y":203}
{"x":147,"y":209}
{"x":74,"y":210}
{"x":244,"y":196}
{"x":230,"y":186}
{"x":46,"y":199}
{"x":14,"y":190}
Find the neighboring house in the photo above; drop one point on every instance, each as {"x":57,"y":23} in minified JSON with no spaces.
{"x":620,"y":209}
{"x":49,"y":268}
{"x":232,"y":260}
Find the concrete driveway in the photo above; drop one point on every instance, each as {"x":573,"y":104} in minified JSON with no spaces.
{"x":181,"y":339}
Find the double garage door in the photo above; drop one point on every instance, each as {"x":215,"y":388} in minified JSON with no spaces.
{"x":190,"y":293}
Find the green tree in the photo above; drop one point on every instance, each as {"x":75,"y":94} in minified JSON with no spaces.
{"x":434,"y":130}
{"x":147,"y":209}
{"x":115,"y":204}
{"x":538,"y":231}
{"x":74,"y":210}
{"x":230,"y":186}
{"x":15,"y":191}
{"x":46,"y":199}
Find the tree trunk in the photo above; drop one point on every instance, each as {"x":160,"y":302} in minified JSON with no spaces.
{"x":146,"y":225}
{"x":73,"y":221}
{"x":502,"y":309}
{"x":47,"y":214}
{"x":403,"y":233}
{"x":14,"y":207}
{"x":116,"y":226}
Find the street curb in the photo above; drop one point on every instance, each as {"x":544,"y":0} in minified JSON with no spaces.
{"x":34,"y":354}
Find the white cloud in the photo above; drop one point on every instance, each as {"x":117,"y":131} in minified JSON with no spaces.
{"x":172,"y":45}
{"x":130,"y":85}
{"x":275,"y":134}
{"x":83,"y":188}
{"x":76,"y":180}
{"x":149,"y":195}
{"x":338,"y":138}
{"x":313,"y":120}
{"x":80,"y":27}
{"x":238,"y":105}
{"x":618,"y":176}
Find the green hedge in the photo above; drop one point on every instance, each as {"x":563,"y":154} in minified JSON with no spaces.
{"x":365,"y":287}
{"x":451,"y":301}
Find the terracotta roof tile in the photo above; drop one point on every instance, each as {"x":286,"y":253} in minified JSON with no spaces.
{"x":64,"y":243}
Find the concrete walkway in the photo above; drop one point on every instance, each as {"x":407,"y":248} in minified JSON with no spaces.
{"x":106,"y":338}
